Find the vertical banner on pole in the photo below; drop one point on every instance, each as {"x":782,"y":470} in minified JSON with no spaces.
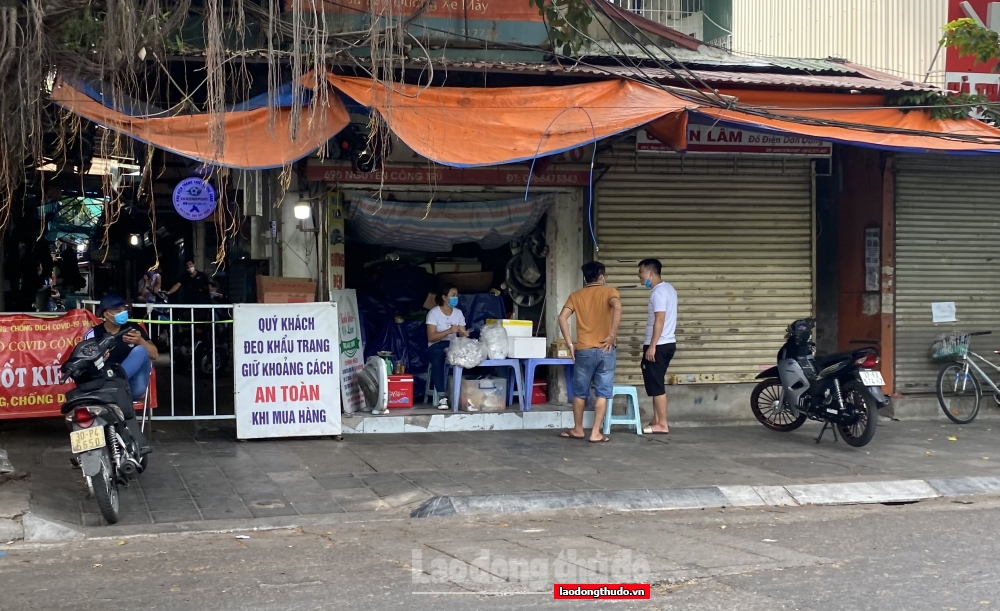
{"x":335,"y":222}
{"x":287,"y":370}
{"x":352,"y":348}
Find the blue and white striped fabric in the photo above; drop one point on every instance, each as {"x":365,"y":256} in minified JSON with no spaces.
{"x":409,"y":225}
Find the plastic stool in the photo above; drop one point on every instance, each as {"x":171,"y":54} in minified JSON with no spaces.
{"x":429,"y":392}
{"x":631,"y":417}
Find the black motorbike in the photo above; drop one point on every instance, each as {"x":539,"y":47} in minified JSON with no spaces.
{"x":159,"y":325}
{"x":840,"y":390}
{"x":107,"y":442}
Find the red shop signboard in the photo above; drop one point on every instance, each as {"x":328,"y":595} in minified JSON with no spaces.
{"x":32,"y":348}
{"x":965,"y":74}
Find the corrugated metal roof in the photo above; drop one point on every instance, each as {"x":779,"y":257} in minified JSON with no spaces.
{"x":806,"y":80}
{"x":707,"y":55}
{"x":717,"y":78}
{"x":807,"y":64}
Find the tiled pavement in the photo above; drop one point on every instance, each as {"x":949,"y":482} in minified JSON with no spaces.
{"x":205,"y":474}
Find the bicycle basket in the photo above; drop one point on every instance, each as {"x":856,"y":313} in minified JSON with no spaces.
{"x":950,"y":347}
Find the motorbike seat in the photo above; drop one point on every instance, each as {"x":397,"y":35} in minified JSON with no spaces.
{"x":113,"y":391}
{"x":829,"y":359}
{"x":108,"y":396}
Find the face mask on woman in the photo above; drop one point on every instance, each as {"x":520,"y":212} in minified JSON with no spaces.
{"x":453,"y":301}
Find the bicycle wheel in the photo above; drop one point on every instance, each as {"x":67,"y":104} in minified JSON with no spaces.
{"x":959,"y":393}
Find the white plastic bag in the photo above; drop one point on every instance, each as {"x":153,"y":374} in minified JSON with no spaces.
{"x":466,"y":352}
{"x":495,"y":338}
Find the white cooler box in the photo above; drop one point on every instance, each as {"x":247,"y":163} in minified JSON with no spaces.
{"x":514,"y":328}
{"x":526,"y":347}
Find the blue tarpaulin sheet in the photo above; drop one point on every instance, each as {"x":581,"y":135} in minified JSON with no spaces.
{"x":407,"y":340}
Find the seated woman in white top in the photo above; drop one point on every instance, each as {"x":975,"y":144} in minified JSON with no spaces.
{"x":444,"y":323}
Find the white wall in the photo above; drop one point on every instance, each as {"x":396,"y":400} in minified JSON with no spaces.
{"x":899,"y":37}
{"x":564,"y":235}
{"x":299,"y":256}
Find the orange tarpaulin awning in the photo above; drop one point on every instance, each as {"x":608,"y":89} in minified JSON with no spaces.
{"x":467,"y":127}
{"x":252,"y":141}
{"x":887,"y":128}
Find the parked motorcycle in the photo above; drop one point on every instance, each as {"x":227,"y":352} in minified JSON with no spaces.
{"x":840,"y":390}
{"x":206,"y":352}
{"x":104,"y":435}
{"x":159,"y":331}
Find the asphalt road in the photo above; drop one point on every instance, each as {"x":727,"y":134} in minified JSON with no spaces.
{"x":938,"y":555}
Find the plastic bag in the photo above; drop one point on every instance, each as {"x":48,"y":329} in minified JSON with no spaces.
{"x":466,"y":353}
{"x":495,"y":338}
{"x":950,"y":347}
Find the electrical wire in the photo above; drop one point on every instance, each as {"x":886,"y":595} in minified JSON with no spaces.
{"x":756,"y":111}
{"x":603,"y":9}
{"x":695,"y":92}
{"x":593,"y":157}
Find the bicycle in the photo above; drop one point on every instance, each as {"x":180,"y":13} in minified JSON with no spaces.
{"x":959,"y":389}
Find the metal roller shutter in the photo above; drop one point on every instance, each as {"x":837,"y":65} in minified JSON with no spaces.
{"x":735,"y":239}
{"x":947,"y":249}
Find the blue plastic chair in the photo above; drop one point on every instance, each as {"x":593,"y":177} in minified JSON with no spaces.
{"x":631,"y":417}
{"x":429,"y":392}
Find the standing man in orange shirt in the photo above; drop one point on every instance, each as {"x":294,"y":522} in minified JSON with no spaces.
{"x":598,"y":310}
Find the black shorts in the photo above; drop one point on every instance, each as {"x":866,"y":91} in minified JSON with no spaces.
{"x":654,"y":373}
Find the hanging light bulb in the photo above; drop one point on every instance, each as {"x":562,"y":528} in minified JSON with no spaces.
{"x":303,"y":211}
{"x":133,"y":240}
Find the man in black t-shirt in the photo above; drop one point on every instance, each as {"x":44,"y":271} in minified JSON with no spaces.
{"x":194,"y":285}
{"x":134,"y":352}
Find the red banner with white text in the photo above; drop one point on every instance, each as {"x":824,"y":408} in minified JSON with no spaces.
{"x":32,"y":348}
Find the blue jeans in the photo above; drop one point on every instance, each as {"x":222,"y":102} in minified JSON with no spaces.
{"x":137,"y":367}
{"x":436,"y":354}
{"x":594,"y":365}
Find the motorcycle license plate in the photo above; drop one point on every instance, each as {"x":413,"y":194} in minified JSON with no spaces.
{"x":872,"y":378}
{"x":85,"y":440}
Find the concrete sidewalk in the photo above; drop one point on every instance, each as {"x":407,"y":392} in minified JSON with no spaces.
{"x":204,"y":474}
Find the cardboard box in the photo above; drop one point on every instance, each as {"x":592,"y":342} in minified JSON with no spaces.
{"x":526,"y":347}
{"x":515,"y":328}
{"x":486,"y":395}
{"x":285,"y":290}
{"x":470,"y":282}
{"x":457,"y":267}
{"x":559,"y":352}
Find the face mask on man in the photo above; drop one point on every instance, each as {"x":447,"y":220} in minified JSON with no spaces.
{"x":648,"y":283}
{"x":453,"y":301}
{"x":191,"y":270}
{"x":121,"y":318}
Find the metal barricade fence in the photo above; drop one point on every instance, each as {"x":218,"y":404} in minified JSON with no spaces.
{"x":198,"y":358}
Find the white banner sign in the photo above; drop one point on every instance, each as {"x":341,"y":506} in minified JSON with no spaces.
{"x":352,"y":349}
{"x":287,"y":370}
{"x":711,"y":137}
